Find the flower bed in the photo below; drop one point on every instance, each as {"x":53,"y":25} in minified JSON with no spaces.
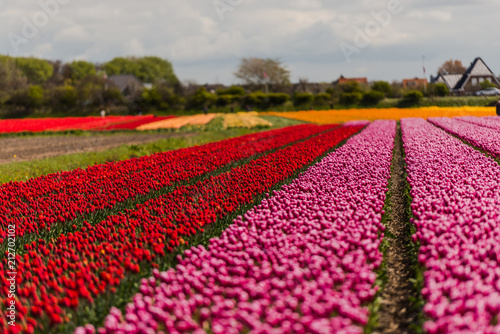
{"x":492,"y":122}
{"x":485,"y":138}
{"x":345,"y":115}
{"x":79,"y":267}
{"x":456,"y":205}
{"x":40,"y":203}
{"x":132,"y":125}
{"x":67,"y":123}
{"x":300,"y":262}
{"x":244,"y":120}
{"x":178,"y":122}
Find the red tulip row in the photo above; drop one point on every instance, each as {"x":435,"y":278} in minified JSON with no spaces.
{"x":57,"y":277}
{"x":67,"y":123}
{"x":300,"y":262}
{"x":41,"y":202}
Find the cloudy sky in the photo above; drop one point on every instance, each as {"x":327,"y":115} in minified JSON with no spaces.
{"x":206,"y":39}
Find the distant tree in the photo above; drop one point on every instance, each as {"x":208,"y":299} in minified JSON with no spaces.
{"x":277,"y":99}
{"x":256,"y":99}
{"x":80,"y":69}
{"x":147,"y":69}
{"x":486,"y":84}
{"x":90,"y":90}
{"x":155,"y":69}
{"x":223,"y":100}
{"x":233,"y":90}
{"x":12,"y":79}
{"x":303,"y":85}
{"x":57,"y":77}
{"x":64,"y":97}
{"x":259,"y":72}
{"x":397,"y":89}
{"x":372,"y":97}
{"x":452,"y":67}
{"x":201,"y":98}
{"x":300,"y":99}
{"x":412,"y":97}
{"x":66,"y":72}
{"x":34,"y":96}
{"x":382,"y":86}
{"x":438,"y":89}
{"x":38,"y":71}
{"x":351,"y":87}
{"x":120,"y":65}
{"x":152,"y":98}
{"x":350,"y":98}
{"x":112,"y":96}
{"x":322,"y":99}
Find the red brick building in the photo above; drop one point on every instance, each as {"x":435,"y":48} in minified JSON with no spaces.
{"x":342,"y":80}
{"x":414,"y":83}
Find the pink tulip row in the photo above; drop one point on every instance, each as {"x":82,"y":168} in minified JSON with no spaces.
{"x":492,"y":122}
{"x":456,"y":205}
{"x":357,"y":123}
{"x":485,"y":138}
{"x":302,"y":261}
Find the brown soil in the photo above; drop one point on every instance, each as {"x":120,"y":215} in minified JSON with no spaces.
{"x":38,"y":147}
{"x":396,"y":312}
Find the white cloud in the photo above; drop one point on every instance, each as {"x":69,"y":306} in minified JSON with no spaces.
{"x":305,"y":34}
{"x":444,"y":16}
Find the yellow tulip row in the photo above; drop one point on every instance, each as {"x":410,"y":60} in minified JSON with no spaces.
{"x":239,"y":120}
{"x":244,"y":120}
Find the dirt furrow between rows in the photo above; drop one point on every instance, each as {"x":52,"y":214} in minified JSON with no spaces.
{"x":398,"y":311}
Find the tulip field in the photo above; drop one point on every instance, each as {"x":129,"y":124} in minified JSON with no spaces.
{"x":282,"y":231}
{"x":77,"y":123}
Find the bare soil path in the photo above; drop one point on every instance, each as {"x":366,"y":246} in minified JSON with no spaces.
{"x":39,"y":147}
{"x":397,"y":312}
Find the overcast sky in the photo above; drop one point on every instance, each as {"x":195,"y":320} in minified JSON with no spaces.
{"x":205,"y":39}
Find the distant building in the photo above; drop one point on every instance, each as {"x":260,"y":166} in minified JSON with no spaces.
{"x":343,"y":80}
{"x":414,"y":83}
{"x":470,"y":81}
{"x":128,"y":84}
{"x":450,"y":80}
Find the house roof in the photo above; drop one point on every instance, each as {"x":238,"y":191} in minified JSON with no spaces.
{"x":415,"y":80}
{"x":477,"y":64}
{"x":449,"y":80}
{"x":123,"y":81}
{"x":343,"y":80}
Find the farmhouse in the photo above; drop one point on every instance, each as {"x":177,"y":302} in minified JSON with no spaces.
{"x":470,"y":81}
{"x":128,"y":84}
{"x":414,"y":83}
{"x":343,"y":80}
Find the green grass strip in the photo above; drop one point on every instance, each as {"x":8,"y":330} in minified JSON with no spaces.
{"x":22,"y":171}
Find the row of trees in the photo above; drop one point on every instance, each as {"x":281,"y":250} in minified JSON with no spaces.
{"x":28,"y":84}
{"x":348,"y":94}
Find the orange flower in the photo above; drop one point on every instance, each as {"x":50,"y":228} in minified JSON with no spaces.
{"x":344,"y":115}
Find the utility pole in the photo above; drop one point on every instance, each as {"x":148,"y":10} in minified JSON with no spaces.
{"x":423,"y":68}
